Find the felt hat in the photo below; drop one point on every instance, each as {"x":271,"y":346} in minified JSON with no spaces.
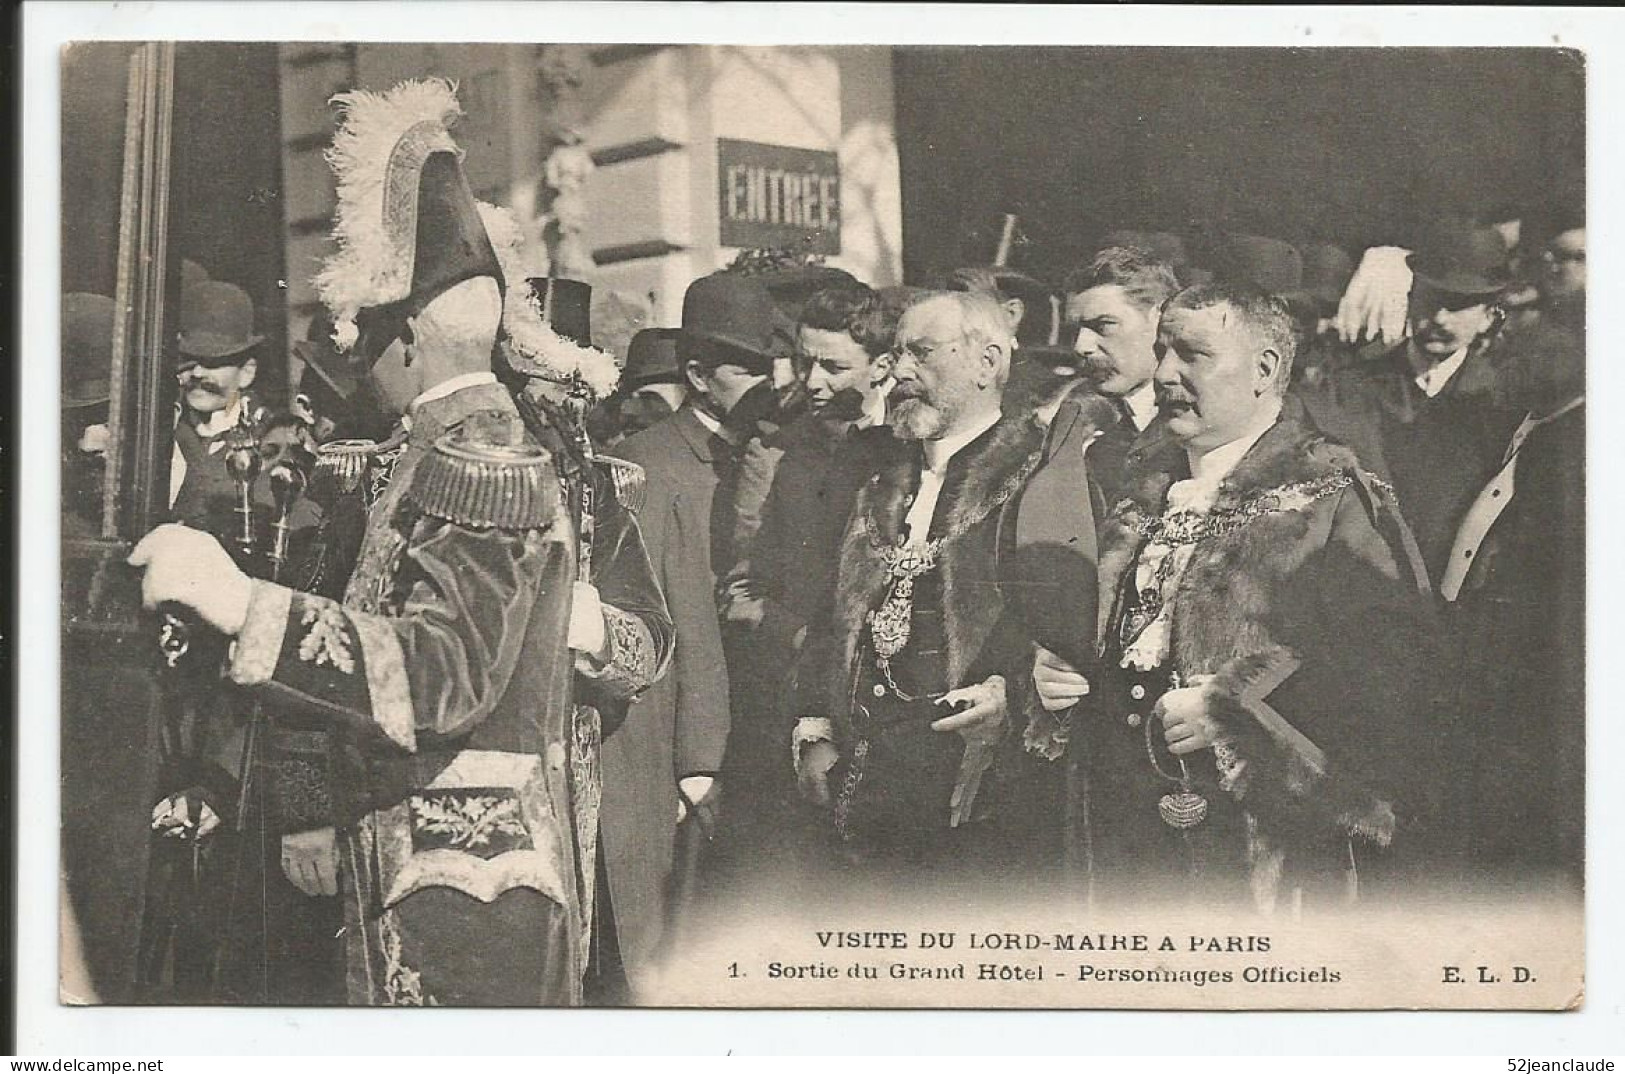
{"x":87,"y":349}
{"x":217,"y":323}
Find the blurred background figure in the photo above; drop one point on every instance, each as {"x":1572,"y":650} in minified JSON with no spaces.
{"x":87,"y":356}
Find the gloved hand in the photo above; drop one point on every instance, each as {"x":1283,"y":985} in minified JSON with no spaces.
{"x":173,"y":816}
{"x":588,"y":635}
{"x":1376,"y":303}
{"x":187,"y":566}
{"x":310,"y":861}
{"x":813,"y":763}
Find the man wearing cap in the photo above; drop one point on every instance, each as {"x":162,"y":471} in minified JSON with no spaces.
{"x":1417,"y":415}
{"x":445,"y":675}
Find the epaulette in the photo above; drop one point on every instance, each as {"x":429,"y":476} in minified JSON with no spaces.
{"x":345,"y":462}
{"x":628,"y":479}
{"x":488,"y":473}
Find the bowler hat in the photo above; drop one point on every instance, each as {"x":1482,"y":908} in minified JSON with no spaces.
{"x":651,"y":357}
{"x":217,"y":321}
{"x":792,"y":287}
{"x":566,"y":306}
{"x":87,"y":349}
{"x":734,"y":312}
{"x":1040,"y":321}
{"x":1463,"y":260}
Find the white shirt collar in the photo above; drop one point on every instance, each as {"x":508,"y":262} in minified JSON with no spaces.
{"x":1142,"y":405}
{"x":448,"y":387}
{"x":1433,"y":380}
{"x":874,"y":408}
{"x":221,"y":420}
{"x":1209,"y":468}
{"x":938,"y":452}
{"x":710,"y":421}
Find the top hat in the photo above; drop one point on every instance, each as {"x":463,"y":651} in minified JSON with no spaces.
{"x":192,"y":274}
{"x":407,"y":225}
{"x":217,"y":322}
{"x":734,"y":312}
{"x":652,"y":357}
{"x":1269,"y":264}
{"x":87,"y":349}
{"x":1463,"y":260}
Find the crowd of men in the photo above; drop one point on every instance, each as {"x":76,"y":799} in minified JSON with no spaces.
{"x":1250,"y":574}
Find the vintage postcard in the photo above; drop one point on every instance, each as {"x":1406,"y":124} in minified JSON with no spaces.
{"x":786,"y":525}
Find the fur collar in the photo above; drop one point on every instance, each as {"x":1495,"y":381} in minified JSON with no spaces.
{"x":986,"y":469}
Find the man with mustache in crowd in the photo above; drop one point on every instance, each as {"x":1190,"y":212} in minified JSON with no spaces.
{"x":1251,"y":731}
{"x":913,"y":663}
{"x":1112,"y":307}
{"x":1422,"y":415}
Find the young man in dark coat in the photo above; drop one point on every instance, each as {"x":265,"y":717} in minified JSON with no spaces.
{"x":1251,"y":731}
{"x":676,"y":735}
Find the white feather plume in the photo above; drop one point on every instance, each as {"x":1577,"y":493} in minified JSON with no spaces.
{"x":533,"y":347}
{"x":367,"y":270}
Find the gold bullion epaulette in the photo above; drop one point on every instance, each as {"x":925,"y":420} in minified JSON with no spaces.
{"x":345,"y":462}
{"x":488,"y":473}
{"x":628,"y":479}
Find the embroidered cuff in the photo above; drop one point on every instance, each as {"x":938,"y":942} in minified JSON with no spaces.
{"x":810,"y":729}
{"x":258,"y":646}
{"x":1046,"y":735}
{"x":388,"y":690}
{"x":630,"y":669}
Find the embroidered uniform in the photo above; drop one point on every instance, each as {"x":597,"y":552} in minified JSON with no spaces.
{"x":446,"y":673}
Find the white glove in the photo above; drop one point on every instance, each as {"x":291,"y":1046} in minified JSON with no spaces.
{"x":1059,"y":684}
{"x":1376,"y":303}
{"x":983,"y":722}
{"x":310,"y":861}
{"x":587,"y":631}
{"x":187,"y":566}
{"x":172,"y":816}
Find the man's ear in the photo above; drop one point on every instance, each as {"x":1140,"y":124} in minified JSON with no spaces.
{"x":879,"y":369}
{"x":988,"y":370}
{"x":695,"y":373}
{"x":249,"y":368}
{"x":1268,"y":368}
{"x":1014,"y":310}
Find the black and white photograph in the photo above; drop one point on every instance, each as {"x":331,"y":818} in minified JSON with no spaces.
{"x":623,"y":524}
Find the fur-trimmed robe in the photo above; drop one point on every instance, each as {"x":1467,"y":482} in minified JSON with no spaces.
{"x":1327,"y":574}
{"x":982,"y":637}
